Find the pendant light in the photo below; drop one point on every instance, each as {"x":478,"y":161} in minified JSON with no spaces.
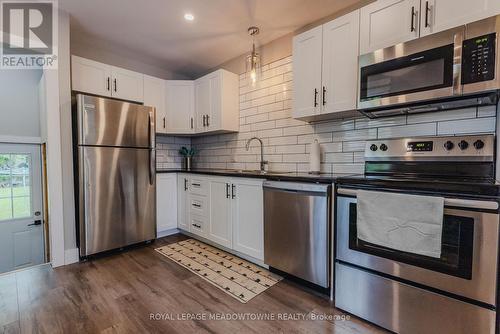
{"x":253,"y":68}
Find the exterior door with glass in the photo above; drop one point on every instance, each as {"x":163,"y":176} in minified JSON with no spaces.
{"x":21,"y":218}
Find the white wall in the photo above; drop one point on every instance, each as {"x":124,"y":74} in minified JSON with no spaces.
{"x":19,"y":103}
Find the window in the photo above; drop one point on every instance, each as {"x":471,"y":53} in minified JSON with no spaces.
{"x":15,"y":186}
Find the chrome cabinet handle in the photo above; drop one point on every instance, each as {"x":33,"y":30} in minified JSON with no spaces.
{"x":208,"y":122}
{"x":204,"y":120}
{"x":164,"y":123}
{"x":185,"y":184}
{"x":114,"y":83}
{"x":196,"y":185}
{"x":427,"y":10}
{"x":108,"y":84}
{"x":412,"y":26}
{"x":324,"y":95}
{"x":196,"y":205}
{"x":227,"y":191}
{"x":233,"y":192}
{"x":315,"y":97}
{"x":192,"y":125}
{"x":196,"y":225}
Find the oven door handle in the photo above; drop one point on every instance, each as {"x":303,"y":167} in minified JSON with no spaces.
{"x":462,"y":203}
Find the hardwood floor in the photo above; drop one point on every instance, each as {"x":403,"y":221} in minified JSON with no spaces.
{"x":119,"y":293}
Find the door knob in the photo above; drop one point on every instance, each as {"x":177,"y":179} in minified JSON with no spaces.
{"x":36,"y":223}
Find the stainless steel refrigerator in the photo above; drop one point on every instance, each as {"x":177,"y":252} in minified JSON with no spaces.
{"x":115,"y":162}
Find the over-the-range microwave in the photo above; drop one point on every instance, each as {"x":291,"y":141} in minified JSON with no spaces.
{"x":455,"y":68}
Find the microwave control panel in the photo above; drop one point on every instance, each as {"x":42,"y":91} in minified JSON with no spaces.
{"x":478,"y":59}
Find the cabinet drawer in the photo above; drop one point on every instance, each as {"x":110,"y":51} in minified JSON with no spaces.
{"x":198,"y":224}
{"x":198,"y":186}
{"x":198,"y":205}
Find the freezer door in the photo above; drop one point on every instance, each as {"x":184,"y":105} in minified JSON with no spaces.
{"x":117,"y":203}
{"x":106,"y":122}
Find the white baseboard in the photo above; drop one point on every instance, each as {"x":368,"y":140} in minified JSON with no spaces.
{"x":71,"y":256}
{"x":161,"y":234}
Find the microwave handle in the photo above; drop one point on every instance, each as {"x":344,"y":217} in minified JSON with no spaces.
{"x":463,"y":203}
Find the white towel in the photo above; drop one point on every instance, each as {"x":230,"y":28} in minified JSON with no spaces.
{"x":409,"y":223}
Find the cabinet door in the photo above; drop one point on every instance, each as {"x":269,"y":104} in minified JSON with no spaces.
{"x":388,"y":22}
{"x":202,"y":102}
{"x":88,"y":76}
{"x":214,"y":117}
{"x":340,"y":64}
{"x":166,"y":202}
{"x":127,"y":85}
{"x":307,"y":73}
{"x":180,"y":107}
{"x":182,"y":201}
{"x":154,"y":96}
{"x":220,"y":227}
{"x":446,"y":14}
{"x":248,"y":217}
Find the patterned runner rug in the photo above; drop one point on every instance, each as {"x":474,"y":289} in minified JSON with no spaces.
{"x":240,"y":279}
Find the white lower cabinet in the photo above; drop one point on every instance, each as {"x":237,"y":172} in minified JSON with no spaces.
{"x":166,"y":202}
{"x":248,"y":217}
{"x":220,"y":227}
{"x":228,"y":211}
{"x":182,"y":201}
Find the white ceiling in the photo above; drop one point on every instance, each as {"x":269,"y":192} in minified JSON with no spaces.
{"x":156,"y":29}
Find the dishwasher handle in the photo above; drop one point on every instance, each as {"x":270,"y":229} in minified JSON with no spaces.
{"x":298,"y":187}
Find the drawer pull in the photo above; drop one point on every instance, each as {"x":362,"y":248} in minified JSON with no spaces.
{"x":196,"y":185}
{"x":196,"y":225}
{"x":197,"y":205}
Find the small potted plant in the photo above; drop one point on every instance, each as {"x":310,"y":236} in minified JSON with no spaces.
{"x":187,"y":155}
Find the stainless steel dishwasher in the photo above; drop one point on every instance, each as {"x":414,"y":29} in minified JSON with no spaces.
{"x":297,"y":229}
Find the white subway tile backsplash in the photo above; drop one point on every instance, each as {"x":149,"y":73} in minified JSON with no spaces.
{"x":469,"y":126}
{"x":265,"y":112}
{"x":424,"y":129}
{"x":442,"y":116}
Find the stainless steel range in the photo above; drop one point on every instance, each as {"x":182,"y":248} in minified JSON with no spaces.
{"x":411,"y":293}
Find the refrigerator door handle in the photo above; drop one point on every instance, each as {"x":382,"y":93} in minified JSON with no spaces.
{"x":152,"y":155}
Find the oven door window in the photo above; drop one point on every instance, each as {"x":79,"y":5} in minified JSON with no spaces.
{"x":428,"y":70}
{"x":456,"y":248}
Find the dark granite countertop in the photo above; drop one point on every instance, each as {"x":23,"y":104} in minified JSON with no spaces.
{"x":273,"y":176}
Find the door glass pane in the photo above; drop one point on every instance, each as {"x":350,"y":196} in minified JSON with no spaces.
{"x":15,"y":186}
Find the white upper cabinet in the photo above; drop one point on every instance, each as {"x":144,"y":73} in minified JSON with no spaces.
{"x":439,"y":15}
{"x":166,"y":202}
{"x":217,"y":102}
{"x":180,"y":118}
{"x":325,"y":67}
{"x":388,"y":22}
{"x":202,"y":103}
{"x":127,"y":85}
{"x":307,"y":49}
{"x":154,"y":96}
{"x":89,"y":76}
{"x":92,"y":77}
{"x":340,"y":64}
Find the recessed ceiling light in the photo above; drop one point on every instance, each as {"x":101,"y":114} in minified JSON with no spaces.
{"x":189,"y":17}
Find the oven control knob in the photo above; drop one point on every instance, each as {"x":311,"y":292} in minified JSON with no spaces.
{"x":383,"y":147}
{"x":449,"y":145}
{"x":478,"y":144}
{"x":373,"y":147}
{"x":463,"y":145}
